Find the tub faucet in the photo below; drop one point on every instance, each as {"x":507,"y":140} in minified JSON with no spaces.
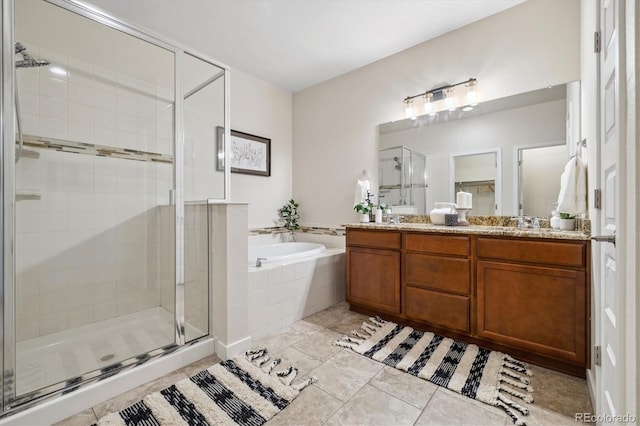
{"x":259,"y":261}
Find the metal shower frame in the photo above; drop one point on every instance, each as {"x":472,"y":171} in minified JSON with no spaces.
{"x":9,"y":402}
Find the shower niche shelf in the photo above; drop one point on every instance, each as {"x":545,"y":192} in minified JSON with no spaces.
{"x":27,"y":195}
{"x":61,"y":145}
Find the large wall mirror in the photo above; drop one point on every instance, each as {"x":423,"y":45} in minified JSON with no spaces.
{"x":509,"y":152}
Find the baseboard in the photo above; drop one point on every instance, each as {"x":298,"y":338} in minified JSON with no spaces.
{"x":226,"y":351}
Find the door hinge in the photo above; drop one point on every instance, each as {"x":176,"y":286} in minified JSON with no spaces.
{"x":597,"y":199}
{"x":597,"y":46}
{"x":597,"y":355}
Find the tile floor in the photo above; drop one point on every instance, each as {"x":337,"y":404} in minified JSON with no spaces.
{"x":352,"y":389}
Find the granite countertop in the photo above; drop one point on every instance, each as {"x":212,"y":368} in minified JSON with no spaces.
{"x":502,"y":231}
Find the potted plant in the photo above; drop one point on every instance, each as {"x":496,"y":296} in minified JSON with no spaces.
{"x":289,"y":217}
{"x":364,"y":208}
{"x":567,"y":222}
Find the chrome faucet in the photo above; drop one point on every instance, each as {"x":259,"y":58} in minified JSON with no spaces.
{"x":259,"y":261}
{"x":527,"y":222}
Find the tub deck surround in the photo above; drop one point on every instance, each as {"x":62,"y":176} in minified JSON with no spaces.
{"x":524,"y":292}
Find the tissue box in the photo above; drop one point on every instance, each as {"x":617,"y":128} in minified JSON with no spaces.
{"x":451,"y":219}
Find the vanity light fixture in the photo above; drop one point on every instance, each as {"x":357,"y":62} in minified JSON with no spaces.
{"x":443,"y":97}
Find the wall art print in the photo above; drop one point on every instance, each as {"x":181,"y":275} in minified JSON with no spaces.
{"x":249,"y":154}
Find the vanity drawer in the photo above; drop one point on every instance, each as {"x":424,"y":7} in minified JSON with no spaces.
{"x":546,"y":252}
{"x":448,"y":311}
{"x":438,"y":244}
{"x":377,"y":239}
{"x":451,"y":274}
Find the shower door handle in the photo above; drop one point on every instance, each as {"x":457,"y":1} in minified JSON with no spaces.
{"x":605,"y":239}
{"x":172,"y":197}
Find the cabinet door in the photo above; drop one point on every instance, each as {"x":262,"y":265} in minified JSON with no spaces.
{"x":533,"y":308}
{"x":373,"y":278}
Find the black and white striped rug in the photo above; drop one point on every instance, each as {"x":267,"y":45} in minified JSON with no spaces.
{"x":487,"y":376}
{"x":245,"y":390}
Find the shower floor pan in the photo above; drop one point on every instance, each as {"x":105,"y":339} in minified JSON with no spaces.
{"x":51,"y":359}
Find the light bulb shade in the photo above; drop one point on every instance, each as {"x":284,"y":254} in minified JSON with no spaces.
{"x":472,"y":92}
{"x":428,"y":104}
{"x":449,"y":100}
{"x":409,"y":112}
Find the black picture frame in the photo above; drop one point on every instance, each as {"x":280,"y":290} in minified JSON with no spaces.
{"x":249,"y":154}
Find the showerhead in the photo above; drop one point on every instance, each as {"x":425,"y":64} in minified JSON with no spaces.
{"x":19,"y":47}
{"x":398,"y":163}
{"x":27,"y":60}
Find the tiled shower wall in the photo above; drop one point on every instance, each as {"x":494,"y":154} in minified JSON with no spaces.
{"x":90,"y":248}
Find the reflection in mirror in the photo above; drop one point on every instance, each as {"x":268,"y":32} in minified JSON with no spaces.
{"x":535,"y":119}
{"x":402,"y":180}
{"x":538,"y":169}
{"x":476,"y":174}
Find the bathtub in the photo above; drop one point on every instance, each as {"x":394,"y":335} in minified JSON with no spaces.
{"x":296,"y":280}
{"x":282,"y":252}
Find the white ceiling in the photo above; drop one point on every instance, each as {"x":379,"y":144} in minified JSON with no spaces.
{"x":295,"y":44}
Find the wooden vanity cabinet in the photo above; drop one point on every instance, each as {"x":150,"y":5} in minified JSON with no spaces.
{"x":524,"y":296}
{"x":532,"y":295}
{"x":373,"y":269}
{"x":436,"y":285}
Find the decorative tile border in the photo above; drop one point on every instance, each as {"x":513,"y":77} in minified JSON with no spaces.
{"x":95,"y":150}
{"x":316,"y":230}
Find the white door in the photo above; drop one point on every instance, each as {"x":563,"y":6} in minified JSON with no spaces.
{"x":610,"y":376}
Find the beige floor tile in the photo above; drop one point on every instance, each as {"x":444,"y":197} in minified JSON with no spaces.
{"x":287,"y":336}
{"x":198,"y":366}
{"x":345,"y":373}
{"x":559,"y":392}
{"x":445,"y":409}
{"x":86,"y":417}
{"x":293,"y":357}
{"x":330,"y":316}
{"x":126,"y":399}
{"x":371,"y":406}
{"x":404,"y":386}
{"x":312,"y":407}
{"x":350,"y":322}
{"x":540,"y":416}
{"x":320,"y":345}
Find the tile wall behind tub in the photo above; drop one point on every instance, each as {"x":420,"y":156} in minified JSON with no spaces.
{"x":282,"y":294}
{"x":89,"y":249}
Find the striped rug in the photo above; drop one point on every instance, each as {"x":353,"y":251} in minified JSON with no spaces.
{"x":245,"y":390}
{"x":488,"y":376}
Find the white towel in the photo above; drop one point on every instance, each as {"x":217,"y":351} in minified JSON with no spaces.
{"x":573,"y":188}
{"x":362,"y":187}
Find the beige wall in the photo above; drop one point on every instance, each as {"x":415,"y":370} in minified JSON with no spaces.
{"x":262,"y":109}
{"x":527,"y":47}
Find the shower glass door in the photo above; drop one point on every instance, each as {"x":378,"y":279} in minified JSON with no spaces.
{"x":95,"y":235}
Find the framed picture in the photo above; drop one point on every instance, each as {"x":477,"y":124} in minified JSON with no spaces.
{"x":248,"y":154}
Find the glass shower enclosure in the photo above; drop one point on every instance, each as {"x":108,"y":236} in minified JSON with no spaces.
{"x":109,"y":140}
{"x":402,"y":180}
